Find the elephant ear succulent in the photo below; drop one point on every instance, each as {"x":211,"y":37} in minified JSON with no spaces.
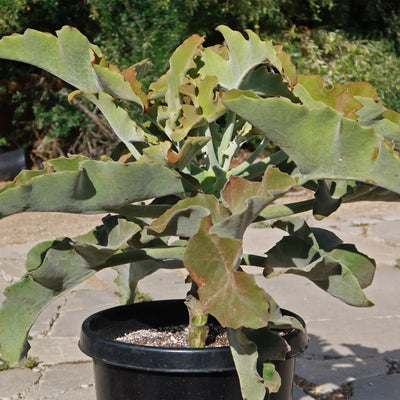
{"x":184,"y":199}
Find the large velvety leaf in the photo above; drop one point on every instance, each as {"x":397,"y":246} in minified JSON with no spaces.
{"x":27,"y":298}
{"x":244,"y":55}
{"x":228,"y":294}
{"x":71,"y":57}
{"x":96,"y":186}
{"x":322,"y":257}
{"x":322,"y":143}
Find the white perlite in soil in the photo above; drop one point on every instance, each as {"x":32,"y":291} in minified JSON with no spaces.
{"x":172,"y":336}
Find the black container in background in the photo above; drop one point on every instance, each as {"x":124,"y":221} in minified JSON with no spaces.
{"x":133,"y":372}
{"x":13,"y":162}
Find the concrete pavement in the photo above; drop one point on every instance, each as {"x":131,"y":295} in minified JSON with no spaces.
{"x":353,"y":353}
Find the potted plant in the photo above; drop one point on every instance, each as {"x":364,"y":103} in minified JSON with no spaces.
{"x":179,"y":197}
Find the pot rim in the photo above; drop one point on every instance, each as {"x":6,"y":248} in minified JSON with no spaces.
{"x":95,"y":343}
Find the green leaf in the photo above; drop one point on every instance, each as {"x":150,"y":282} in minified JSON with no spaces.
{"x":271,"y":377}
{"x":114,"y":236}
{"x":244,"y":55}
{"x":180,"y":62}
{"x":245,"y":356}
{"x":162,"y":153}
{"x":68,"y":56}
{"x":322,"y":257}
{"x":96,"y":187}
{"x":22,"y":305}
{"x":72,"y":58}
{"x":57,"y":266}
{"x":27,"y":298}
{"x":228,"y":294}
{"x":247,"y":199}
{"x":184,"y":218}
{"x":322,"y":143}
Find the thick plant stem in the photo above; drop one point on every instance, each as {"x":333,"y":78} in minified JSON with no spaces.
{"x":198,"y":328}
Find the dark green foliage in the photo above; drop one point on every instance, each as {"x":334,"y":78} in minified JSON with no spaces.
{"x":27,"y":101}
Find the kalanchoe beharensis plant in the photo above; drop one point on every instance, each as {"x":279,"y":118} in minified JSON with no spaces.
{"x":176,"y":200}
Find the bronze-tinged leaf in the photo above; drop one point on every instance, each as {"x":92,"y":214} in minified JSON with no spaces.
{"x":231,"y":295}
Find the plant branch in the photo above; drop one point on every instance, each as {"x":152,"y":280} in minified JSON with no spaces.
{"x":93,"y":116}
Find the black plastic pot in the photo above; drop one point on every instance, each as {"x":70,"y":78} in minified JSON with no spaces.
{"x":14,"y":161}
{"x":133,"y":372}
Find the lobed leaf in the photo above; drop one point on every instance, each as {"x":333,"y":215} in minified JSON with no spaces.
{"x":184,"y":218}
{"x":322,"y":257}
{"x":322,"y":143}
{"x":245,"y":356}
{"x":96,"y":186}
{"x":180,"y":62}
{"x":244,"y":55}
{"x":163,"y":155}
{"x":228,"y":294}
{"x":72,"y":58}
{"x":247,"y":199}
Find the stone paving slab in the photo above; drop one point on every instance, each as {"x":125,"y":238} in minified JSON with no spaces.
{"x":14,"y":383}
{"x":65,"y":381}
{"x":381,"y":387}
{"x":81,"y":304}
{"x":54,"y":350}
{"x":339,"y":371}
